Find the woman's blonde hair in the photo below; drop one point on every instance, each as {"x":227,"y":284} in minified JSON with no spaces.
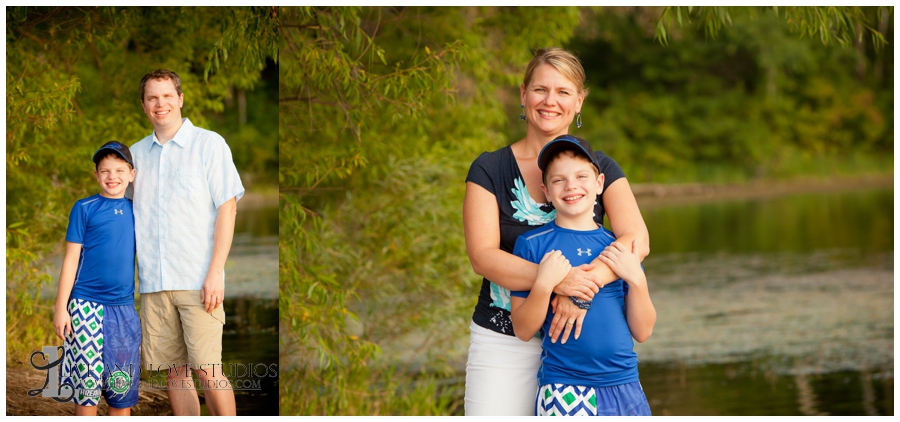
{"x":563,"y":61}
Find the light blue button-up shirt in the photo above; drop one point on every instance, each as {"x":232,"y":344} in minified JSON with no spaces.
{"x":178,"y":188}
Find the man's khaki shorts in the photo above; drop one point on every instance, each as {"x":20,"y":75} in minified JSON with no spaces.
{"x":178,"y":331}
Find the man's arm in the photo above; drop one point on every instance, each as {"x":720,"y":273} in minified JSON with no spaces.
{"x":213,"y":291}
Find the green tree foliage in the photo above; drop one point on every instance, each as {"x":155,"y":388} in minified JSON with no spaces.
{"x":72,"y":77}
{"x":755,"y":101}
{"x":382,"y":111}
{"x":843,"y":24}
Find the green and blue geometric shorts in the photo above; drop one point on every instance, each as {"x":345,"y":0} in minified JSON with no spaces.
{"x":575,"y":400}
{"x":102,"y":354}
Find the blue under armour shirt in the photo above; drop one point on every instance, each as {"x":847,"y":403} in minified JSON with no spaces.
{"x":105,"y":229}
{"x":604,"y":354}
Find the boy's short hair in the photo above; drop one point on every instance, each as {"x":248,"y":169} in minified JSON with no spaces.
{"x":161,"y":74}
{"x":564,"y":143}
{"x":115,"y":148}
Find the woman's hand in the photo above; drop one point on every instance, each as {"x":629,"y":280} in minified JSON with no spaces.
{"x":579,"y":283}
{"x":565,"y":316}
{"x":62,"y":323}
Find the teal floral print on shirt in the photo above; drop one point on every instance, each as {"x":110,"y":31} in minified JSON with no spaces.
{"x":527,"y":210}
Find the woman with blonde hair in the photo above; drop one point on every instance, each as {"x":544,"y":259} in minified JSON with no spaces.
{"x":503,"y":200}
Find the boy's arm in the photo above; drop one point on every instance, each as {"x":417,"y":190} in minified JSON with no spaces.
{"x":639,"y":310}
{"x":62,"y":322}
{"x":528,"y":314}
{"x":212,"y":293}
{"x":628,"y":225}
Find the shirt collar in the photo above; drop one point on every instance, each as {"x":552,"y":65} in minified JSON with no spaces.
{"x":181,"y":137}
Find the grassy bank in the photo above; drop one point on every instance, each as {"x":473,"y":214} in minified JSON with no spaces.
{"x":369,"y":391}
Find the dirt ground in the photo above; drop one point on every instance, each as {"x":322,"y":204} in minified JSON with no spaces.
{"x":152,"y":402}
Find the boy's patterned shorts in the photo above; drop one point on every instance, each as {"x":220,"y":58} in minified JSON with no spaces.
{"x":573,"y":400}
{"x":102,"y":354}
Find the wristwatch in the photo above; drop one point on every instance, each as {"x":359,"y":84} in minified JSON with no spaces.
{"x":583,"y":304}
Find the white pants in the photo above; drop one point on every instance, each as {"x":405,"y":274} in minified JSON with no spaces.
{"x":501,"y":374}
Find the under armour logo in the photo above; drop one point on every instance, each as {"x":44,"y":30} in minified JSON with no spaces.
{"x":587,"y":252}
{"x":115,"y":211}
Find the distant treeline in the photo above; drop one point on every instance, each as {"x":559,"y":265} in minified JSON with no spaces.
{"x":757,"y":100}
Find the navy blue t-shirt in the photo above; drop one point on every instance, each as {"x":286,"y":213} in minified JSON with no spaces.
{"x":105,"y":229}
{"x":603,"y":355}
{"x":498,"y":172}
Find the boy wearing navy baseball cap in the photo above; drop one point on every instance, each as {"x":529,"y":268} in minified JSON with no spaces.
{"x":595,"y":374}
{"x":95,"y":314}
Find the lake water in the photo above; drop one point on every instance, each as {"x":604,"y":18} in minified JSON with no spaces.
{"x":250,"y":340}
{"x":772,"y":306}
{"x":777,"y":306}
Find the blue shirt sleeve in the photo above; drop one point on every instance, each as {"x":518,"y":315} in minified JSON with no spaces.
{"x":521,"y":250}
{"x":77,"y":224}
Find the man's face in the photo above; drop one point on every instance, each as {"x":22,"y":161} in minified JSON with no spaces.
{"x":113,"y":174}
{"x":162,"y":103}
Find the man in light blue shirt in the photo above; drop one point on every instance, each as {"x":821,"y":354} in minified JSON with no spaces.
{"x":185,"y":201}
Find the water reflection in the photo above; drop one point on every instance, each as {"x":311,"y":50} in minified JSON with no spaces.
{"x":250,"y":339}
{"x":780,"y":306}
{"x":775,"y":306}
{"x":861,"y":220}
{"x":249,"y":356}
{"x":250,"y":346}
{"x":252,"y":268}
{"x":749,"y":388}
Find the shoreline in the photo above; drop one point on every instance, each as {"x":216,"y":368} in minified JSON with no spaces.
{"x":262,"y":197}
{"x":651,"y":195}
{"x":654,"y":194}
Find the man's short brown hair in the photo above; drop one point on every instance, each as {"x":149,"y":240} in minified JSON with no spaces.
{"x":161,"y":74}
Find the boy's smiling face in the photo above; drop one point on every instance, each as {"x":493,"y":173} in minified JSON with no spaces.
{"x":113,"y":174}
{"x":572,"y":184}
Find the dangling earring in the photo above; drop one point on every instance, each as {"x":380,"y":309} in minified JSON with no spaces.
{"x":578,"y":120}
{"x":522,"y":113}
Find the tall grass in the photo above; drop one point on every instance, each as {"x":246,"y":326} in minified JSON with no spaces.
{"x":29,"y":317}
{"x":367,"y":391}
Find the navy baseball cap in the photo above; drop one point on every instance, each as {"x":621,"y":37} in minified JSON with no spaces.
{"x":117,"y":147}
{"x":564,"y":143}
